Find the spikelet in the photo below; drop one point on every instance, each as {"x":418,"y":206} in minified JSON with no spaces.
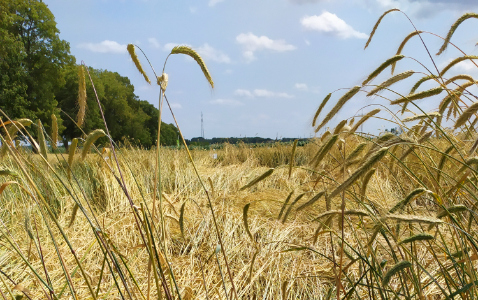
{"x":414,"y":219}
{"x":246,"y":222}
{"x":466,"y":115}
{"x":258,"y":179}
{"x":420,"y":81}
{"x":290,"y":207}
{"x":80,"y":118}
{"x":391,"y":81}
{"x":400,"y":205}
{"x":376,"y":25}
{"x":356,"y":152}
{"x":365,"y":180}
{"x":292,"y":157}
{"x":194,"y":55}
{"x":311,"y":201}
{"x":92,"y":137}
{"x":163,"y":81}
{"x":135,"y":59}
{"x":455,"y":61}
{"x":321,"y":106}
{"x":325,"y":136}
{"x":364,"y":118}
{"x":339,"y":127}
{"x":417,"y":96}
{"x":284,"y":205}
{"x":324,"y":150}
{"x":430,"y":115}
{"x":351,"y":122}
{"x":71,"y":155}
{"x":338,"y":106}
{"x":350,"y":212}
{"x":404,"y":42}
{"x":382,"y":67}
{"x":54,"y":132}
{"x":452,"y":210}
{"x":73,"y":214}
{"x":41,"y":140}
{"x":417,"y":237}
{"x":459,"y":77}
{"x":394,"y":270}
{"x":375,"y":158}
{"x":453,"y":28}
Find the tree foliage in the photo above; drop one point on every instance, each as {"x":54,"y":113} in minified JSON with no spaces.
{"x":39,"y":77}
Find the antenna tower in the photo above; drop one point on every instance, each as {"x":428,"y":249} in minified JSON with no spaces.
{"x":202,"y":126}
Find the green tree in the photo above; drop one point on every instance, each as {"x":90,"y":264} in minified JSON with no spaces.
{"x":32,"y":60}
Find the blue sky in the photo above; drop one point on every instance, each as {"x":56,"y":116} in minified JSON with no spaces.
{"x":272,"y":61}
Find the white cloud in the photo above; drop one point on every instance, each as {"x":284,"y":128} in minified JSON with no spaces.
{"x":261,"y":93}
{"x":154,"y":42}
{"x":228,"y":102}
{"x":252,"y":43}
{"x":209,"y":53}
{"x":331,"y":24}
{"x":463,"y":67}
{"x":169,"y":46}
{"x":301,"y":86}
{"x":193,"y":9}
{"x":243,"y":93}
{"x":105,"y":46}
{"x":214,"y":2}
{"x":176,"y":105}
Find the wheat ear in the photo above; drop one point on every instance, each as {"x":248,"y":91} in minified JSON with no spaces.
{"x":284,"y":205}
{"x":375,"y":158}
{"x":418,"y":96}
{"x":453,"y":28}
{"x":137,"y":63}
{"x":73,"y":214}
{"x":414,"y":219}
{"x":382,"y":67}
{"x":390,"y":81}
{"x":321,"y":106}
{"x":455,"y":61}
{"x":41,"y":140}
{"x":416,"y":238}
{"x":292,"y":157}
{"x":290,"y":207}
{"x":92,"y":137}
{"x":339,"y":105}
{"x":365,"y":180}
{"x":194,"y":55}
{"x":422,"y":80}
{"x":54,"y":131}
{"x":311,"y":201}
{"x":246,"y":222}
{"x":258,"y":179}
{"x":432,"y":115}
{"x":394,"y":270}
{"x":404,"y":42}
{"x":472,"y":109}
{"x":452,"y":210}
{"x":324,"y":150}
{"x":364,"y":118}
{"x":339,"y":126}
{"x":376,"y":25}
{"x":356,"y":152}
{"x":71,"y":155}
{"x":80,"y":118}
{"x":407,"y":200}
{"x":351,"y":212}
{"x":459,"y":77}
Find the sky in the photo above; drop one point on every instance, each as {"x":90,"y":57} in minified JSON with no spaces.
{"x":272,"y":61}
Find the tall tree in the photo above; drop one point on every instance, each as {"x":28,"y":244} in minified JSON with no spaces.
{"x":35,"y":49}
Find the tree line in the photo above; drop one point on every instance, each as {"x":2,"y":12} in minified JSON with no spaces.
{"x":39,"y":78}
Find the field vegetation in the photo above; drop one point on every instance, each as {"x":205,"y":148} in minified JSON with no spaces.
{"x":347,"y":215}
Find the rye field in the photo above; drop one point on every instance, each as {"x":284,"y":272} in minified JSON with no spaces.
{"x":348,"y":215}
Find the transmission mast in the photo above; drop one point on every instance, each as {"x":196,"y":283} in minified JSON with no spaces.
{"x":202,"y":126}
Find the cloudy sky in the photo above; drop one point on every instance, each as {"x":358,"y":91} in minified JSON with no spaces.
{"x":272,"y":61}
